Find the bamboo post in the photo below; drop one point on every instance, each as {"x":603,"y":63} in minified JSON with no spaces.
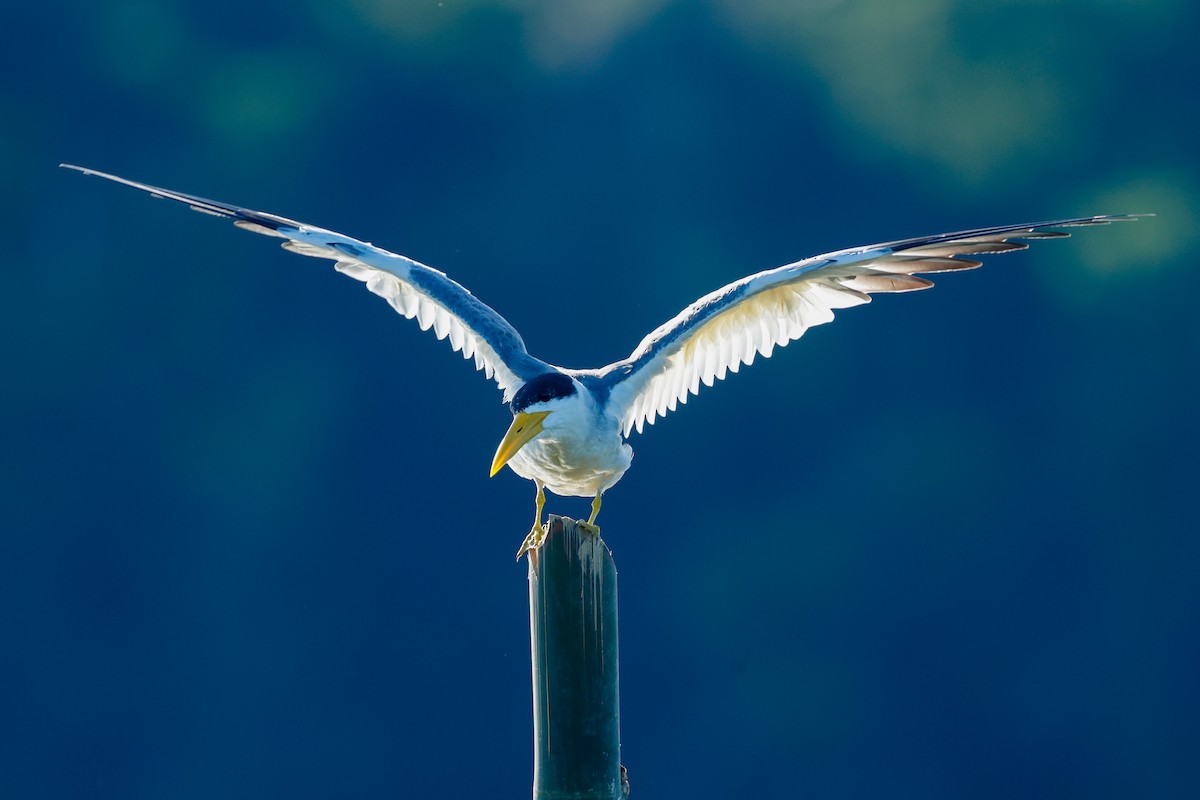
{"x":573,"y":633}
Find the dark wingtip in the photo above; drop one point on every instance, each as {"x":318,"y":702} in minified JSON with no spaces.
{"x":1120,"y":217}
{"x":96,"y":172}
{"x":196,"y":203}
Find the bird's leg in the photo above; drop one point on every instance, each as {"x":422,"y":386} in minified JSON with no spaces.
{"x":537,"y":533}
{"x":539,"y":502}
{"x":590,"y":526}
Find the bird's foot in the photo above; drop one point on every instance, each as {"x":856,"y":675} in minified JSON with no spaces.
{"x":589,"y":527}
{"x":533,"y":540}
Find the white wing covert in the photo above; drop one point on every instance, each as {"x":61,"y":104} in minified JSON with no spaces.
{"x":723,"y":330}
{"x":411,"y":288}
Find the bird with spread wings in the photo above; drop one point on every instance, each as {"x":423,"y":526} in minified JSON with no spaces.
{"x":570,"y":426}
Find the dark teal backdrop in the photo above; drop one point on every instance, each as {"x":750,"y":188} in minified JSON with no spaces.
{"x":942,"y":548}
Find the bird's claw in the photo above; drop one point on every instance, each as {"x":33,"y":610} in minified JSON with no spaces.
{"x":533,"y":540}
{"x":537,"y":536}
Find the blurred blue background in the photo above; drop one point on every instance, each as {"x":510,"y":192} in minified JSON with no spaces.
{"x":944,"y":547}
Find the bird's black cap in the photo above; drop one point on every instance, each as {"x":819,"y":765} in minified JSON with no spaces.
{"x":547,"y":386}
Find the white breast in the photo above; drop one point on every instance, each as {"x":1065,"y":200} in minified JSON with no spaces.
{"x":580,"y":452}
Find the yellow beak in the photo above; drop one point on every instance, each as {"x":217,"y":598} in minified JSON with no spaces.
{"x":523,"y":428}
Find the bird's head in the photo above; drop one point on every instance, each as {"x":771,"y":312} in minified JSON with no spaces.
{"x":532,"y":406}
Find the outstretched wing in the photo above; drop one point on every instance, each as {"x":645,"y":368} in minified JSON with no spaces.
{"x":723,"y":330}
{"x":413,"y":289}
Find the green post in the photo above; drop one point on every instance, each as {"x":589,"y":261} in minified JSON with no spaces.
{"x":573,"y":632}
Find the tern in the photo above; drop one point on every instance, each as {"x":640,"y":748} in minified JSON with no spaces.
{"x":570,"y":426}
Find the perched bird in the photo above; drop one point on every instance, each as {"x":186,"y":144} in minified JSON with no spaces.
{"x":570,"y":426}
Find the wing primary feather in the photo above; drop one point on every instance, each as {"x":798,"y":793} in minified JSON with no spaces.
{"x":887,"y":283}
{"x":909,"y":265}
{"x":967,"y":248}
